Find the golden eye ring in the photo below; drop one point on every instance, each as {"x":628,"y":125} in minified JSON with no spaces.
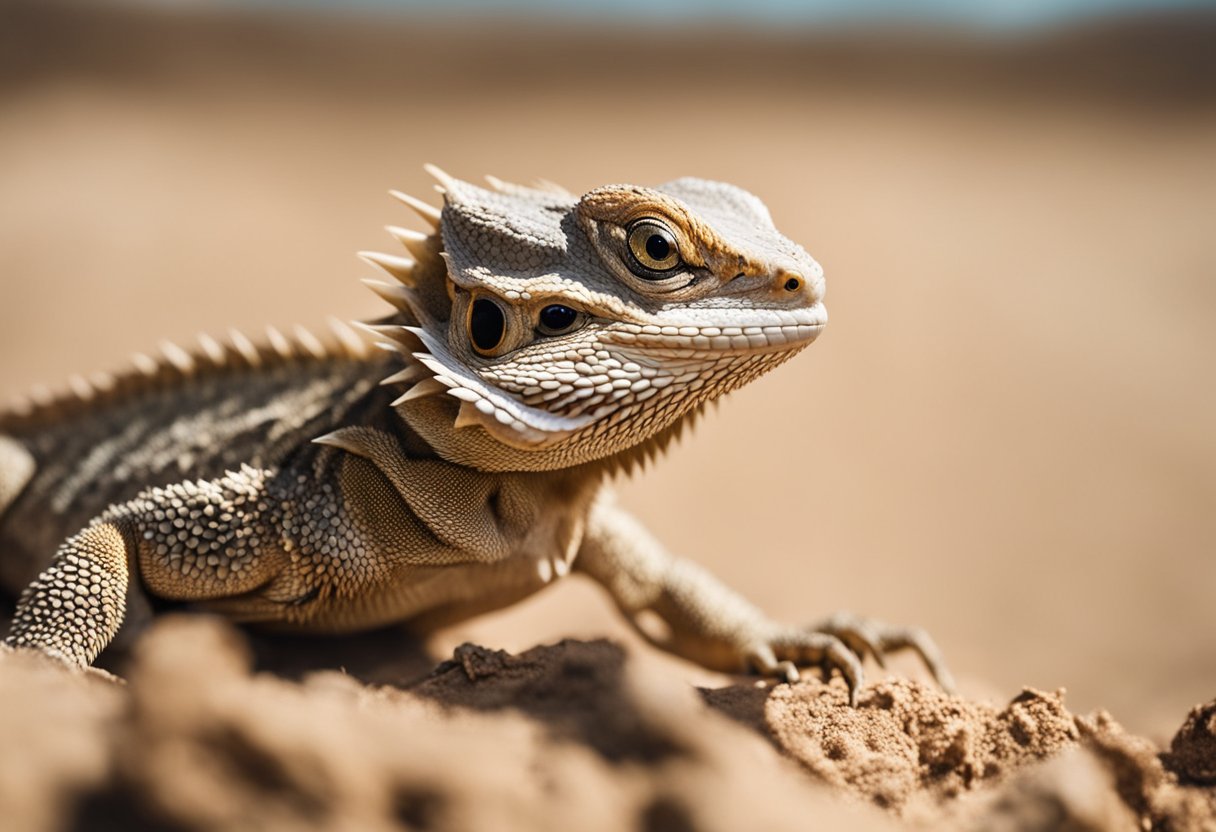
{"x":653,"y":247}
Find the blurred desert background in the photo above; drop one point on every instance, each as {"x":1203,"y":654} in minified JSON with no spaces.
{"x":1006,"y":435}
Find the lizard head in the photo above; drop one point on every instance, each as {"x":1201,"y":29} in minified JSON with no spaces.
{"x":543,"y":330}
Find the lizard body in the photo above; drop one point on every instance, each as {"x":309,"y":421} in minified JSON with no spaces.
{"x":539,"y":342}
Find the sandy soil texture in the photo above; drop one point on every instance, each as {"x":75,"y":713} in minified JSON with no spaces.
{"x":573,"y":735}
{"x":1004,"y":435}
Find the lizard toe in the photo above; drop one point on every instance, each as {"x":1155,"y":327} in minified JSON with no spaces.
{"x":921,"y":643}
{"x":876,"y":638}
{"x":863,"y":636}
{"x":823,"y":650}
{"x":764,"y":662}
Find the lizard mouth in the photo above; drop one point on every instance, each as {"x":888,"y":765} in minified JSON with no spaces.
{"x":766,"y":332}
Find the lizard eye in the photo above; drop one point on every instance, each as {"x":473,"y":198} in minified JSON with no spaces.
{"x":487,"y":326}
{"x":653,"y":247}
{"x":556,"y":319}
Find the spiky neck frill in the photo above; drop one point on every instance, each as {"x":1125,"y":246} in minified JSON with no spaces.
{"x":466,"y":420}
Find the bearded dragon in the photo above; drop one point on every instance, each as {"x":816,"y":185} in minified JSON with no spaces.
{"x":539,"y":343}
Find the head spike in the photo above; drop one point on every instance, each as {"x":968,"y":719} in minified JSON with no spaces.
{"x":446,"y":181}
{"x":399,"y":296}
{"x":350,"y":440}
{"x":336,"y":439}
{"x":427,"y":212}
{"x":550,"y":187}
{"x":469,"y":416}
{"x":412,"y":372}
{"x":415,"y":242}
{"x":401,"y":268}
{"x":540,"y":186}
{"x":401,"y":338}
{"x":426,"y":387}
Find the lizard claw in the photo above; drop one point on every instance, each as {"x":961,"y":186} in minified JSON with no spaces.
{"x":842,"y":642}
{"x":864,"y":637}
{"x":782,"y":656}
{"x":874,"y":638}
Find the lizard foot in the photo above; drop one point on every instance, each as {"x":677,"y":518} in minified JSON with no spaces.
{"x":841,"y":642}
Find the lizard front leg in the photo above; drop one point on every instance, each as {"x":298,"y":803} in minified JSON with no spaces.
{"x":188,"y":541}
{"x":75,"y":607}
{"x":708,"y":623}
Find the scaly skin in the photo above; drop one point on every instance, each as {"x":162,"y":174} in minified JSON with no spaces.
{"x":539,"y":342}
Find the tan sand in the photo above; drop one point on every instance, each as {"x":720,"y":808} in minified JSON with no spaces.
{"x":573,"y":735}
{"x":1005,"y":434}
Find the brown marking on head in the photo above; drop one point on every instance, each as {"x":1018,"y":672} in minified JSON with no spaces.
{"x":610,"y":210}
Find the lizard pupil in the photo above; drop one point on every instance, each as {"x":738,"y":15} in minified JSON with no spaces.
{"x":556,"y":317}
{"x":653,"y":248}
{"x":657,"y":247}
{"x":487,"y":325}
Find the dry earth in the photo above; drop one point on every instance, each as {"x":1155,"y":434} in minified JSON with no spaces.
{"x":574,"y":735}
{"x":1004,"y":436}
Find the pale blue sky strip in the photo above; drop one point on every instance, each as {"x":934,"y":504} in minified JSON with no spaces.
{"x":986,"y":14}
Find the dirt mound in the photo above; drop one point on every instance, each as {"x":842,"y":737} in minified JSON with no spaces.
{"x":572,"y":735}
{"x":905,"y":740}
{"x":938,"y":760}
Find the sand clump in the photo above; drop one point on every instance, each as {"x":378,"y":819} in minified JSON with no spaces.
{"x":905,"y":741}
{"x":1193,"y":752}
{"x":572,"y":735}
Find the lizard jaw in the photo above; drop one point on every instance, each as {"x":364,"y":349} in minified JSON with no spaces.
{"x":664,"y":354}
{"x":764,"y":331}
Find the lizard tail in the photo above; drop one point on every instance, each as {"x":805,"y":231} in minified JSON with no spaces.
{"x":16,"y":468}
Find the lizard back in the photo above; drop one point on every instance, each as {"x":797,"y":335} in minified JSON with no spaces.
{"x":191,"y":416}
